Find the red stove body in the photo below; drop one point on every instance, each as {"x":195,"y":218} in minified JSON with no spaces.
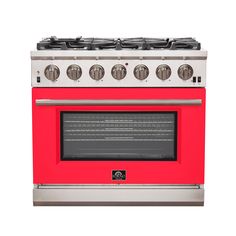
{"x":188,"y":168}
{"x":140,"y":145}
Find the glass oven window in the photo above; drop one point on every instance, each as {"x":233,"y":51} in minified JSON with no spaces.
{"x":118,"y":135}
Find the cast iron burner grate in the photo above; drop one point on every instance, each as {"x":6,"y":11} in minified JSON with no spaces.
{"x":80,"y":43}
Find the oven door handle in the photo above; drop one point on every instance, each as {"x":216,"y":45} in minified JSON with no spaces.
{"x":117,"y":102}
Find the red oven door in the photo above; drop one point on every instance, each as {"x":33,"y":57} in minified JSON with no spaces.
{"x":151,"y":135}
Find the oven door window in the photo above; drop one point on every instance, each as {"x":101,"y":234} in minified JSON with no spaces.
{"x":118,"y":136}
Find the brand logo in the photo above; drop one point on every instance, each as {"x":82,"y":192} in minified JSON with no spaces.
{"x":118,"y":175}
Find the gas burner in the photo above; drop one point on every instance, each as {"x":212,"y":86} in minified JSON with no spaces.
{"x":77,"y":43}
{"x":185,"y":43}
{"x":80,"y":43}
{"x":145,"y":43}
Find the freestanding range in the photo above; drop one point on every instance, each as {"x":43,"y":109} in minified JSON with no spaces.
{"x":118,"y":121}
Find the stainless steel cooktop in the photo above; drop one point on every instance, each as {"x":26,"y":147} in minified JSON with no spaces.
{"x":108,"y":62}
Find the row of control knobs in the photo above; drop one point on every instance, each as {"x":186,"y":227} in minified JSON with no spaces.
{"x":119,"y":72}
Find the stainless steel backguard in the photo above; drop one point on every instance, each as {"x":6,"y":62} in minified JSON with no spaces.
{"x":124,"y":195}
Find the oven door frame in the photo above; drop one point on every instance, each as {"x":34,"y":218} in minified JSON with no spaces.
{"x":189,"y":103}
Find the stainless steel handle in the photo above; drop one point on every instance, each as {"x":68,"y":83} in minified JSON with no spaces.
{"x":117,"y":102}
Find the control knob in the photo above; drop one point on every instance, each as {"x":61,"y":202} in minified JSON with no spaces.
{"x":185,"y":72}
{"x":96,"y":72}
{"x":163,"y":72}
{"x":141,"y":72}
{"x":52,"y":72}
{"x":74,"y":72}
{"x":118,"y":72}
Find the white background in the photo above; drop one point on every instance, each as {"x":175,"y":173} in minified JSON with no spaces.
{"x":23,"y":23}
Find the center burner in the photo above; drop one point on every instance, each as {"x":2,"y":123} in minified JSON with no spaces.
{"x":80,"y":43}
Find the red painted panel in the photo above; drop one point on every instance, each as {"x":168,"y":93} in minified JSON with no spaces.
{"x":188,"y":169}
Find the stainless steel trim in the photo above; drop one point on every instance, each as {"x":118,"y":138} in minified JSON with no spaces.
{"x":118,"y":58}
{"x":115,"y":186}
{"x":112,"y":102}
{"x":118,"y":195}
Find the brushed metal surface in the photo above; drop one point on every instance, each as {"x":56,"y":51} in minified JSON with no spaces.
{"x":185,"y":72}
{"x":163,"y":72}
{"x":127,"y":54}
{"x":74,"y":72}
{"x":118,"y":195}
{"x":115,"y":58}
{"x":141,"y":72}
{"x":118,"y":72}
{"x":52,"y":72}
{"x":112,"y":102}
{"x":38,"y":67}
{"x":96,"y":72}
